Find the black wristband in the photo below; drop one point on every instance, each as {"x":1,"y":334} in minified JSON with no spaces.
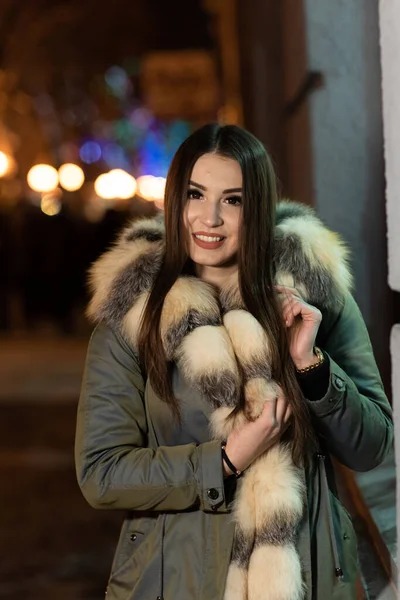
{"x":232,"y":467}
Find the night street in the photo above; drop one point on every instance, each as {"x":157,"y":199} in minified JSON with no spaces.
{"x":199,"y":228}
{"x":54,"y":546}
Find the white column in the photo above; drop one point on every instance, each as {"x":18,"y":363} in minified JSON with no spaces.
{"x":390,"y":55}
{"x":389,"y":15}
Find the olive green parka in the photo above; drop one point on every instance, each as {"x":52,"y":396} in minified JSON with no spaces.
{"x":176,"y":540}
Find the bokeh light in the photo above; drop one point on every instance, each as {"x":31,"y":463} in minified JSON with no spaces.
{"x":118,"y":82}
{"x":141,"y":118}
{"x":4,"y":164}
{"x":154,"y":157}
{"x":103,"y":187}
{"x":42,"y":178}
{"x":90,"y":152}
{"x":125,"y":184}
{"x":71,"y":177}
{"x":116,"y":184}
{"x":177,"y":132}
{"x":151,"y":188}
{"x":51,"y":203}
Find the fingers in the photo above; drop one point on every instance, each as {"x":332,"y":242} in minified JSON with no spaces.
{"x":276,"y":413}
{"x":288,"y":291}
{"x":294,"y":306}
{"x":281,"y":407}
{"x":283,"y":411}
{"x":269,"y":412}
{"x":291,"y":302}
{"x":291,"y":308}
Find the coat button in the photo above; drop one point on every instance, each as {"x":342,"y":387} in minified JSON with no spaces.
{"x":338,"y":572}
{"x":213,"y":493}
{"x":339,"y":383}
{"x":133,"y":537}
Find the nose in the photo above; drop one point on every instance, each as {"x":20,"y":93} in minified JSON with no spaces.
{"x":211,"y":214}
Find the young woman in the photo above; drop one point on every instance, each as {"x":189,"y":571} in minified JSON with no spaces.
{"x":229,"y":362}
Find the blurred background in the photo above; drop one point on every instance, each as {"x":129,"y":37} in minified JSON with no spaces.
{"x":95,"y":98}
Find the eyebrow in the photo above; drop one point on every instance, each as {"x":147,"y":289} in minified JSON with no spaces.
{"x":202,"y":187}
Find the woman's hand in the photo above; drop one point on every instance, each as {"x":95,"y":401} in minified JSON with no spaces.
{"x":247,"y":443}
{"x":303,"y":321}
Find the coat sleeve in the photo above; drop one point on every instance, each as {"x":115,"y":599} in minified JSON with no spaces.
{"x":354,"y":418}
{"x":115,"y":468}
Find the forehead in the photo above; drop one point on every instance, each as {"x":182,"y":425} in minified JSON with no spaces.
{"x":213,"y":170}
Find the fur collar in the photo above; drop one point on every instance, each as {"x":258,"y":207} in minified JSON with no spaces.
{"x":308,"y":256}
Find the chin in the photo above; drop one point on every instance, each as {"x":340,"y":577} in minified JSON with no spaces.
{"x":203,"y":258}
{"x":206,"y":262}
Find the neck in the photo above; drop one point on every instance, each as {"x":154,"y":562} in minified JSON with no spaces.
{"x":220,"y":277}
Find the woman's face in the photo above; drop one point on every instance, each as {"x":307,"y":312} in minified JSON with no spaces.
{"x":213,"y":211}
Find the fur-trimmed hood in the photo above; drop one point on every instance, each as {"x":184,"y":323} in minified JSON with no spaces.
{"x":307,"y":256}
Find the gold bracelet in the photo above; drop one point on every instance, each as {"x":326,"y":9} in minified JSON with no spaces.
{"x":321,"y":358}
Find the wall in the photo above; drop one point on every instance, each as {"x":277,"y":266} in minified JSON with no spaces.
{"x":347,"y":155}
{"x":262,"y":68}
{"x":329,"y":146}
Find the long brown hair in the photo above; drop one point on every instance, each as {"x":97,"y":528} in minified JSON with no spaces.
{"x":255,"y":264}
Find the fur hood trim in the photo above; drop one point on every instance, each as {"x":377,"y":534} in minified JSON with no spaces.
{"x":307,"y":256}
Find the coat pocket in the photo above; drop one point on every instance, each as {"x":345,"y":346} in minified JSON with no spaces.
{"x":131,"y":544}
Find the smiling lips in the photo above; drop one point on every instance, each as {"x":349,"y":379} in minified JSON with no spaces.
{"x":208,"y":241}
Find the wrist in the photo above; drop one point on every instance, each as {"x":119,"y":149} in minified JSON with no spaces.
{"x":305,"y":361}
{"x":226,"y":470}
{"x":310,"y":362}
{"x":229,"y":468}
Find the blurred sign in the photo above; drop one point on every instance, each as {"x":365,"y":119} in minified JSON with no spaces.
{"x":180,"y":84}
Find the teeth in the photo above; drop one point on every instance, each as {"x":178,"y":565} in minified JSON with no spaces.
{"x":208,"y":238}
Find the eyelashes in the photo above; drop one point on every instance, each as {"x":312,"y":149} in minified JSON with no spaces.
{"x":234,"y":200}
{"x":193,"y":194}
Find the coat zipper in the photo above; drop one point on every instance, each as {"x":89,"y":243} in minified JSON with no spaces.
{"x":161,"y":594}
{"x":327,"y":501}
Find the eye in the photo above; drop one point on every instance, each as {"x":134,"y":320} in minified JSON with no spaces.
{"x":194,"y":195}
{"x":234,"y":200}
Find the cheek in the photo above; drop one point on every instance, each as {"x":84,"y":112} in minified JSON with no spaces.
{"x":188,"y":220}
{"x":235,"y":228}
{"x":188,"y":216}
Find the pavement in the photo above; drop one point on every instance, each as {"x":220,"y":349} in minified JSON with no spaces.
{"x":53,"y":545}
{"x":38,"y":369}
